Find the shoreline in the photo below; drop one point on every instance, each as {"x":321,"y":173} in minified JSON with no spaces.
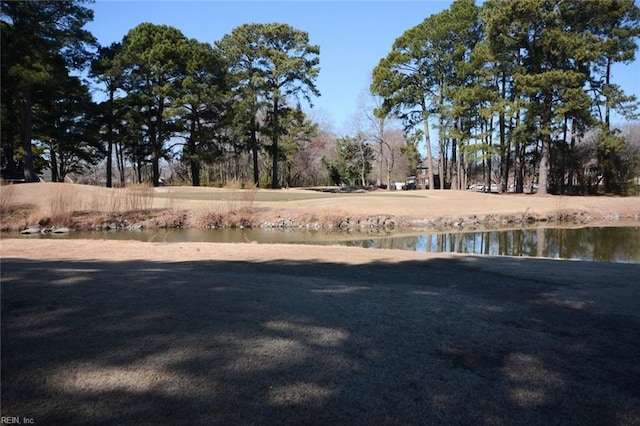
{"x":14,"y":222}
{"x":48,"y":206}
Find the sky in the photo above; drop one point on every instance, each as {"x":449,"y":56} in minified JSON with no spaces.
{"x":353,"y":36}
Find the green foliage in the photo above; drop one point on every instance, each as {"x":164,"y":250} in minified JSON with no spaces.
{"x":202,"y":105}
{"x":154,"y":58}
{"x":36,"y":35}
{"x":298,"y":131}
{"x":426,"y":61}
{"x":410,"y":151}
{"x":65,"y":120}
{"x":522,"y":70}
{"x":271,"y":64}
{"x":616,"y":172}
{"x":353,"y":162}
{"x":519,"y":81}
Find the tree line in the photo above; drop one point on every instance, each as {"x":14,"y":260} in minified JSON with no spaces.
{"x":517,"y":84}
{"x":512,"y":90}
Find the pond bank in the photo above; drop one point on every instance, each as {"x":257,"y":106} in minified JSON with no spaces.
{"x":47,"y":206}
{"x":21,"y":221}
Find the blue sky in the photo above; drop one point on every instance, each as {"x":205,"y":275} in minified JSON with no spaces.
{"x":353,"y":35}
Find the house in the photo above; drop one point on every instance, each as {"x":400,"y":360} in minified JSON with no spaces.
{"x":421,"y":178}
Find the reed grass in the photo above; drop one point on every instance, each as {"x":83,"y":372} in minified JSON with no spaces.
{"x":241,"y":195}
{"x":64,"y":202}
{"x":108,"y":203}
{"x":7,"y":196}
{"x":236,"y":211}
{"x":138,"y":197}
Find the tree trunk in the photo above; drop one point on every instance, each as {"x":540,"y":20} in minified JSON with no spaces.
{"x":155,"y":163}
{"x":194,"y":164}
{"x":442,"y":162}
{"x":572,"y":158}
{"x":564,"y":157}
{"x":545,"y":152}
{"x":156,"y":143}
{"x":62,"y":168}
{"x":53,"y":163}
{"x":488,"y":156}
{"x":121,"y":165}
{"x":518,"y":167}
{"x":11,"y":171}
{"x":254,"y":151}
{"x":110,"y":140}
{"x":607,"y":82}
{"x":274,"y":137}
{"x":427,"y":140}
{"x":462,"y":171}
{"x":505,"y":151}
{"x":192,"y":148}
{"x":25,"y":134}
{"x":505,"y":144}
{"x":381,"y":143}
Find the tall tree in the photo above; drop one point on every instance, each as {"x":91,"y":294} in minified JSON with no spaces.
{"x":615,"y":26}
{"x":290,"y":67}
{"x":452,"y":35}
{"x":406,"y":80}
{"x":65,"y":124}
{"x":44,"y":29}
{"x":154,"y":58}
{"x":352,"y":164}
{"x":298,"y":130}
{"x":274,"y":64}
{"x":240,"y":52}
{"x":203,"y":99}
{"x":107,"y":69}
{"x":554,"y":46}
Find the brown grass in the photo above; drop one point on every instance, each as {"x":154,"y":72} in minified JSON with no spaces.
{"x":7,"y":193}
{"x":236,"y":211}
{"x":69,"y":206}
{"x":64,"y":202}
{"x":247,"y":205}
{"x":218,"y":218}
{"x":101,"y":202}
{"x":239,"y":198}
{"x":112,"y":332}
{"x":138,"y":197}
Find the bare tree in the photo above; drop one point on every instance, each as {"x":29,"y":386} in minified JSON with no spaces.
{"x":384,"y":132}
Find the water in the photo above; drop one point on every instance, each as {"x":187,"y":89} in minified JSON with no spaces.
{"x":603,"y":244}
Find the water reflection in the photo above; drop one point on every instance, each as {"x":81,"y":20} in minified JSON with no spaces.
{"x":604,"y":244}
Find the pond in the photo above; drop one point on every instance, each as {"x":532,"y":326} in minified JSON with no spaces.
{"x":603,"y":244}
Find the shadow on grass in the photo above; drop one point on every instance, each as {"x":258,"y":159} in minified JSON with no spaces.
{"x":444,"y":341}
{"x":344,"y":189}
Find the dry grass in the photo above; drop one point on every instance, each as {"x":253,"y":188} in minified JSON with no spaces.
{"x":246,"y":204}
{"x":107,"y":203}
{"x":77,"y":206}
{"x":138,"y":197}
{"x":134,"y":198}
{"x":236,"y":211}
{"x":112,"y":332}
{"x":64,"y":203}
{"x":241,"y":195}
{"x":218,"y":218}
{"x":7,"y":193}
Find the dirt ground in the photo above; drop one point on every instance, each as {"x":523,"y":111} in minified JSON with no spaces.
{"x":124,"y":332}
